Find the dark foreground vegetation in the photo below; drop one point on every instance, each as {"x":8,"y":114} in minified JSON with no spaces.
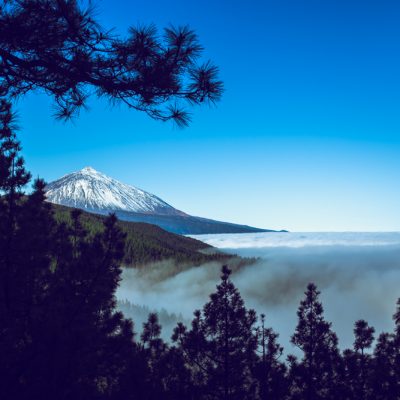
{"x":62,"y":338}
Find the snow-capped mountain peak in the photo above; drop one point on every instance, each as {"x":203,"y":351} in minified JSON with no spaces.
{"x":91,"y":190}
{"x":88,"y":170}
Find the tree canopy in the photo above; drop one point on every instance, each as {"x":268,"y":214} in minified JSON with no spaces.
{"x":59,"y":47}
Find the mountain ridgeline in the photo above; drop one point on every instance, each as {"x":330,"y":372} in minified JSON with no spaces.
{"x":97,"y":193}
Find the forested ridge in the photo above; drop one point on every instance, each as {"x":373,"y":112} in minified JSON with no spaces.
{"x":146,"y":243}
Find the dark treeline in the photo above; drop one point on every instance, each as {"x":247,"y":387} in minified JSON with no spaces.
{"x":61,"y":336}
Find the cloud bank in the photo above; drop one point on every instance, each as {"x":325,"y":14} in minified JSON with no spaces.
{"x":358,"y":275}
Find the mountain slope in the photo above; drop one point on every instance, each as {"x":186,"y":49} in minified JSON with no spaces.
{"x":147,"y":243}
{"x":187,"y":224}
{"x":95,"y":192}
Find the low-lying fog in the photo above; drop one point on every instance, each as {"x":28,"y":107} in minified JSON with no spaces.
{"x":358,"y":275}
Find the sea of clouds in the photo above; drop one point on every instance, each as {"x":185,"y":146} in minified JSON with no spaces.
{"x":358,"y":275}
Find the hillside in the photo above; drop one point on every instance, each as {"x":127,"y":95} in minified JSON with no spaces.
{"x":188,"y":224}
{"x":147,"y":243}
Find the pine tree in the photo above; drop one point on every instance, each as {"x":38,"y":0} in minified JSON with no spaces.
{"x":386,"y":363}
{"x":15,"y":286}
{"x":13,"y":177}
{"x":384,"y":380}
{"x":58,"y":46}
{"x":364,"y":336}
{"x":155,"y":350}
{"x":91,"y":343}
{"x":270,"y":372}
{"x":396,"y":355}
{"x":315,"y":376}
{"x":220,"y":347}
{"x":166,"y":375}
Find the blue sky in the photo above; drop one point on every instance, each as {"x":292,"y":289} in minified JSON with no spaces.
{"x":306,"y":137}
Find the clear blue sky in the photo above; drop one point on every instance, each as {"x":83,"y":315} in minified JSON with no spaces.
{"x":307,"y":136}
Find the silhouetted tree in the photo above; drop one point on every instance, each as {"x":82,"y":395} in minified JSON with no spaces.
{"x":384,"y":380}
{"x":269,"y":371}
{"x":357,"y":373}
{"x":220,"y":347}
{"x":166,"y":375}
{"x":57,"y":46}
{"x":385,"y":374}
{"x":155,"y":350}
{"x":15,"y":301}
{"x":27,"y":272}
{"x":314,"y":377}
{"x":13,"y":177}
{"x":396,"y":318}
{"x":364,"y":336}
{"x":177,"y":376}
{"x":91,"y":343}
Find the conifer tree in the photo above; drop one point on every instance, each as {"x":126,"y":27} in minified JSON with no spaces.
{"x":384,"y":380}
{"x":91,"y":342}
{"x":396,"y":361}
{"x":364,"y":336}
{"x":13,"y":177}
{"x":58,"y":47}
{"x":155,"y":350}
{"x":177,"y":376}
{"x":220,"y":346}
{"x":386,"y":363}
{"x":14,"y":296}
{"x":167,"y":376}
{"x":315,"y":376}
{"x":270,"y":371}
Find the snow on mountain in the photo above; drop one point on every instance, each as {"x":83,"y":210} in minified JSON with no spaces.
{"x":93,"y":191}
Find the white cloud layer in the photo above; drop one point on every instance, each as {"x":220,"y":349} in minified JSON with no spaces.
{"x":357,"y":273}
